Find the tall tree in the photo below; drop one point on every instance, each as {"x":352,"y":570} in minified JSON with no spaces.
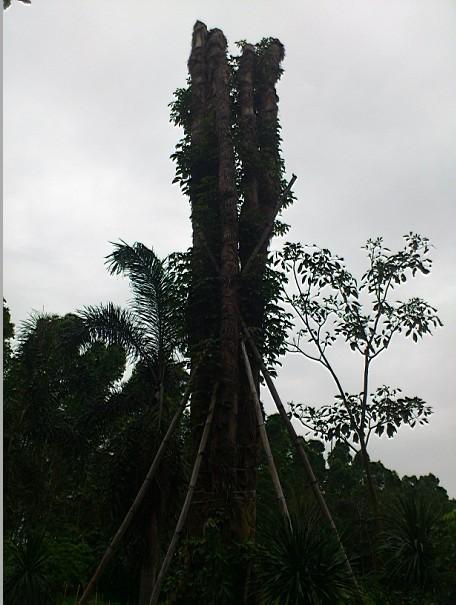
{"x":329,"y":304}
{"x":230,"y":166}
{"x":151,"y":333}
{"x":55,"y":397}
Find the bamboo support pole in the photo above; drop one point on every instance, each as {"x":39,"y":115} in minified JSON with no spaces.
{"x":188,"y":500}
{"x":302,"y":454}
{"x":265,"y":441}
{"x":139,"y":497}
{"x":267,"y":231}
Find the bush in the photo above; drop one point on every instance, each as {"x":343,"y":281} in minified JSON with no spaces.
{"x":304,"y":566}
{"x":409,"y":541}
{"x":38,"y":567}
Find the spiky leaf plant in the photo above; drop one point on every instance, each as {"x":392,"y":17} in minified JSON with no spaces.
{"x":411,"y":526}
{"x":28,"y":572}
{"x":302,"y":567}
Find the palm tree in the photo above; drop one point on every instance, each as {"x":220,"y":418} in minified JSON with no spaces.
{"x":56,"y":399}
{"x":150,"y":331}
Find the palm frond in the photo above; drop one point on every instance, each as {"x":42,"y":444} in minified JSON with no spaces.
{"x":32,"y":324}
{"x":114,"y":325}
{"x":152,"y":287}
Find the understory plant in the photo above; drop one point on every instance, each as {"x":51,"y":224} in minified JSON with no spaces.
{"x":302,"y":566}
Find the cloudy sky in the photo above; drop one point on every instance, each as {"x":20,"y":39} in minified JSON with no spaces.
{"x":367,"y":104}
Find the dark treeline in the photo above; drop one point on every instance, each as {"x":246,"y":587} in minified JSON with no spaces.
{"x":77,"y":446}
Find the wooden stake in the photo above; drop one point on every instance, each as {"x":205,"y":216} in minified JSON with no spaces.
{"x":139,"y":497}
{"x":265,"y":440}
{"x":188,"y":500}
{"x":302,"y":454}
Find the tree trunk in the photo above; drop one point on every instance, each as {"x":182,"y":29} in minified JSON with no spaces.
{"x":140,"y":495}
{"x":203,"y":314}
{"x":222,"y":244}
{"x":369,"y":480}
{"x":250,"y":224}
{"x":213,"y":308}
{"x":223,"y":442}
{"x":259,"y":152}
{"x":155,"y":594}
{"x":149,"y":567}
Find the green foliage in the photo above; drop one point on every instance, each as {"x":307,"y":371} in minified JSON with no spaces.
{"x":304,"y":566}
{"x":328,"y":299}
{"x":8,"y":335}
{"x":55,"y":402}
{"x":277,"y":321}
{"x":8,"y":326}
{"x":149,"y":330}
{"x":331,"y":303}
{"x":410,"y":541}
{"x":446,"y":551}
{"x":38,"y":567}
{"x":208,"y":570}
{"x":28,"y":575}
{"x":78,"y":459}
{"x":194,"y":164}
{"x":384,"y":412}
{"x":77,"y":447}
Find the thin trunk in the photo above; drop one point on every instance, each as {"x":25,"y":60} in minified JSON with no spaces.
{"x":362,"y":440}
{"x":146,"y":581}
{"x":139,"y":497}
{"x":149,"y":567}
{"x":160,"y":403}
{"x":373,"y":501}
{"x":188,"y":500}
{"x":369,"y":479}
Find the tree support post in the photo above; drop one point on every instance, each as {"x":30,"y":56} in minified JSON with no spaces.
{"x":265,"y":441}
{"x":187,"y":502}
{"x":139,"y":497}
{"x":302,"y":454}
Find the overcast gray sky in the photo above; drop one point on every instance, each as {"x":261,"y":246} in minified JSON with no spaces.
{"x":367,"y":104}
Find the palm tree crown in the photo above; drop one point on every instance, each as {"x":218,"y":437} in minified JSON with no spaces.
{"x":149,"y":330}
